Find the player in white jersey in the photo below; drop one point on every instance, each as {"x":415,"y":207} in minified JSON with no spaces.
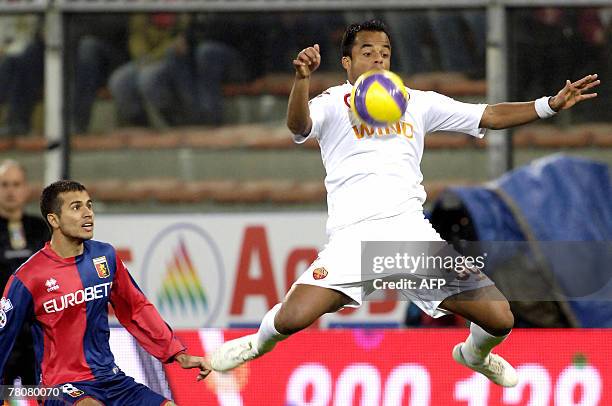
{"x":374,"y":193}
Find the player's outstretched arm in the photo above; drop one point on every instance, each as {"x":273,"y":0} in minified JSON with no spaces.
{"x":298,"y":114}
{"x":141,"y":319}
{"x":505,"y":115}
{"x":187,"y":361}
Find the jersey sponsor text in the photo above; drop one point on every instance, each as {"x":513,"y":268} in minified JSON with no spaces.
{"x":400,"y":128}
{"x":76,"y":298}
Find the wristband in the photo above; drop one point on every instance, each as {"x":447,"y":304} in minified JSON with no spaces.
{"x":543,"y":109}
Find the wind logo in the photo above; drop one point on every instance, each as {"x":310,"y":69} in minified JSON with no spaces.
{"x":181,"y":289}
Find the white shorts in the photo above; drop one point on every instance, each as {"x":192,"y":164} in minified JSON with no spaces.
{"x":339,"y":263}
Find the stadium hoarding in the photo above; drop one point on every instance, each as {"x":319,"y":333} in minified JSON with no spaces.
{"x":226,"y":270}
{"x":388,"y":367}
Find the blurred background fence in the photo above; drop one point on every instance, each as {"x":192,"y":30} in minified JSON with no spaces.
{"x":179,"y":105}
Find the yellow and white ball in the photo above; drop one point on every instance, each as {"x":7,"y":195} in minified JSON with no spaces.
{"x":379,"y":98}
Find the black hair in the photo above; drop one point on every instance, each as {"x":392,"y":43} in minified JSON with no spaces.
{"x":50,"y":202}
{"x":348,"y":39}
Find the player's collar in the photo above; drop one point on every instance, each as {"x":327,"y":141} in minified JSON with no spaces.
{"x":50,"y":252}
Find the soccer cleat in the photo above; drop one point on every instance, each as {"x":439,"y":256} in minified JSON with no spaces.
{"x":234,"y":353}
{"x":497,"y":369}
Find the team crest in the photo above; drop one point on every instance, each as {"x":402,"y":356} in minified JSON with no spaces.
{"x":72,"y":391}
{"x":319,"y":273}
{"x":5,"y":306}
{"x":101,"y":267}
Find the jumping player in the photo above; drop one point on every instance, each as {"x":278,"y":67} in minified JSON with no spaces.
{"x":65,"y":289}
{"x":374,"y":193}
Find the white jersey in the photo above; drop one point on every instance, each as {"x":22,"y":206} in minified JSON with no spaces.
{"x":375,"y":172}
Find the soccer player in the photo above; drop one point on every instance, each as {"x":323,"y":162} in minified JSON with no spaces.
{"x":65,"y":289}
{"x":374,"y":192}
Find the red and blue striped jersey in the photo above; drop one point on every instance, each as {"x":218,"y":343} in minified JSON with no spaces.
{"x":67,"y":300}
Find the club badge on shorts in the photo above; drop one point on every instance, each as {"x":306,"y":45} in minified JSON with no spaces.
{"x":319,"y":273}
{"x":72,"y":391}
{"x":101,"y":267}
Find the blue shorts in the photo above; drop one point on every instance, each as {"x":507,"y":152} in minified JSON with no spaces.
{"x":120,"y":390}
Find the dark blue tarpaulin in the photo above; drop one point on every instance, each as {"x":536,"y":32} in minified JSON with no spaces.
{"x":559,"y":198}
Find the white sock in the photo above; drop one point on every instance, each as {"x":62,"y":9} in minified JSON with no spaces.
{"x":479,"y":344}
{"x":268,"y":336}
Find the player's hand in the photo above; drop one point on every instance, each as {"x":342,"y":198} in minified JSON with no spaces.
{"x":187,"y":361}
{"x":573,"y":93}
{"x":204,"y":370}
{"x":307,"y":61}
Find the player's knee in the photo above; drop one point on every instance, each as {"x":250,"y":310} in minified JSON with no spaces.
{"x":502,"y":321}
{"x":291,"y":319}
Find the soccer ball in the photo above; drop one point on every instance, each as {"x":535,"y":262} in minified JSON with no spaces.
{"x":379,"y":98}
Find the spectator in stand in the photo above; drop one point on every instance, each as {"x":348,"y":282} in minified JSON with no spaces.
{"x":21,"y":235}
{"x":248,"y":33}
{"x":100,"y":42}
{"x":606,"y":17}
{"x":21,"y":70}
{"x":410,"y":29}
{"x":461,"y":39}
{"x":552,"y":44}
{"x":290,"y":32}
{"x":594,"y":51}
{"x":176,"y":75}
{"x":544,"y":43}
{"x":185,"y":87}
{"x":151,"y":38}
{"x":433,"y":40}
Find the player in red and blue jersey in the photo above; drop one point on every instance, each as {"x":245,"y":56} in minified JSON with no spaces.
{"x":65,"y":289}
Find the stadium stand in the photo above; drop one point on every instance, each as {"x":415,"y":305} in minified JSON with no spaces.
{"x":278,"y":138}
{"x":270,"y":135}
{"x":279,"y":84}
{"x":228,"y":140}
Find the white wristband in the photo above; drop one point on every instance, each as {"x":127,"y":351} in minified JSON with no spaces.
{"x":543,"y":108}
